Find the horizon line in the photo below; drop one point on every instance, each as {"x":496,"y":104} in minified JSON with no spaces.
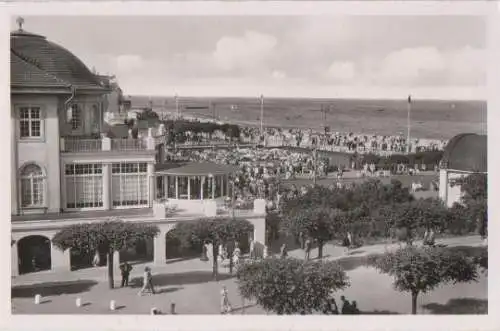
{"x":413,"y":98}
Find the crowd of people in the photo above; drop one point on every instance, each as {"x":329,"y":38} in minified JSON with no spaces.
{"x":348,"y":142}
{"x":259,"y":170}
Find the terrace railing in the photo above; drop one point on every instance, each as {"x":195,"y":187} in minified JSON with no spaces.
{"x":77,"y":145}
{"x":127,"y":144}
{"x":87,"y":145}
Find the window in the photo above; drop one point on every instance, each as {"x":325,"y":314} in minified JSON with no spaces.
{"x":30,"y":122}
{"x":75,"y":117}
{"x":32,"y":186}
{"x":84,"y":184}
{"x":129,"y":184}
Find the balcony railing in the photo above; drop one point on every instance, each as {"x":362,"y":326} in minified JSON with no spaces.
{"x":128,"y":144}
{"x":86,"y":145}
{"x":77,"y":145}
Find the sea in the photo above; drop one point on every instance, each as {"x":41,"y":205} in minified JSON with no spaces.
{"x":431,"y":119}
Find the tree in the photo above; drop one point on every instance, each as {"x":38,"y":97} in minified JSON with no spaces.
{"x":422,"y":269}
{"x":314,"y":222}
{"x":216,"y":231}
{"x":290,"y":286}
{"x":410,"y":217}
{"x":110,"y":236}
{"x":475,"y":198}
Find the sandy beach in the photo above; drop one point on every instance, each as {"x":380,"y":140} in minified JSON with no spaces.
{"x":429,"y":118}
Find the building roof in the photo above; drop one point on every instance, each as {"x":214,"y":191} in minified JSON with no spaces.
{"x":26,"y":74}
{"x":467,"y":152}
{"x":194,"y":169}
{"x":116,"y":131}
{"x":34,"y":56}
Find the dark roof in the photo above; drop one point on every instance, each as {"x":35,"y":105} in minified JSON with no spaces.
{"x":467,"y":152}
{"x":195,"y":169}
{"x":23,"y":73}
{"x":41,"y":55}
{"x":116,"y":131}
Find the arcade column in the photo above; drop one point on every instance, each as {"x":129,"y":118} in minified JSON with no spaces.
{"x":14,"y":260}
{"x":160,"y":250}
{"x":443,"y":185}
{"x":60,"y":260}
{"x":259,"y":223}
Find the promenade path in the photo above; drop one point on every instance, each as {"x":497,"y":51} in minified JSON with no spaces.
{"x":189,"y":285}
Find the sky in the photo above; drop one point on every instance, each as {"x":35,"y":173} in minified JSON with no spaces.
{"x":282,"y":56}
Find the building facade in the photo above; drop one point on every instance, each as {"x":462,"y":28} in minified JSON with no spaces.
{"x":465,"y":154}
{"x":64,"y":168}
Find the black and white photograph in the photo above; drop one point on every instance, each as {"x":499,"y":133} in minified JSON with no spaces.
{"x":248,"y":164}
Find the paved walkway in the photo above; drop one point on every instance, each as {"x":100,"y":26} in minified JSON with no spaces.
{"x":189,"y":285}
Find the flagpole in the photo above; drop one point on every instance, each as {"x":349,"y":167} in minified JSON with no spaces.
{"x":408,"y":148}
{"x":261,"y":113}
{"x":177,"y":105}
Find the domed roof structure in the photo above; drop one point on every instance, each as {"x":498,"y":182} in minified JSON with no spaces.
{"x":37,"y":62}
{"x":466,"y":152}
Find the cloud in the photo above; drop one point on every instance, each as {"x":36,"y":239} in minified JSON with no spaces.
{"x":278,"y":74}
{"x":342,"y":71}
{"x":407,"y":66}
{"x":252,"y":51}
{"x":129,"y":62}
{"x":468,"y":67}
{"x":428,"y":66}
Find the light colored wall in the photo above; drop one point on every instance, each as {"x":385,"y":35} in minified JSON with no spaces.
{"x":44,"y":152}
{"x":454,"y":192}
{"x":88,"y":116}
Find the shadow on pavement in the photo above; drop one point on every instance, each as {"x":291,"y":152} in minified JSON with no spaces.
{"x":52,"y":288}
{"x":180,"y":259}
{"x":168,"y":290}
{"x":190,"y":277}
{"x":459,"y":306}
{"x":378,"y":312}
{"x":249,"y":305}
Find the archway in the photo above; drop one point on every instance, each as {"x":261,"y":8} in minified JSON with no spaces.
{"x":142,"y":251}
{"x":34,"y":254}
{"x":86,"y":259}
{"x":175,"y":250}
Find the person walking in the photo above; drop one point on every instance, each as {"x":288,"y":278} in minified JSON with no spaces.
{"x":225,"y":305}
{"x":308,"y":248}
{"x":97,"y":260}
{"x":284,"y":251}
{"x":301,"y":240}
{"x":125,"y":269}
{"x":147,"y":282}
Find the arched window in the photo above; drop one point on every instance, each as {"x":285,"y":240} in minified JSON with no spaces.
{"x":32,"y":186}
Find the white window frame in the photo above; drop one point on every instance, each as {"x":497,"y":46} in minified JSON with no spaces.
{"x":76,"y":117}
{"x":41,"y":119}
{"x":31,"y":178}
{"x":74,"y":176}
{"x":122,"y":177}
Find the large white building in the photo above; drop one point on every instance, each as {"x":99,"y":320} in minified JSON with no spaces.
{"x":465,"y":154}
{"x":65,"y":170}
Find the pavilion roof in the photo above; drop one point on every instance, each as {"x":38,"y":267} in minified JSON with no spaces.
{"x":195,"y":169}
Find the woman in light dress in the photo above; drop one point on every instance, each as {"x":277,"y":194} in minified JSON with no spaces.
{"x":225,"y":305}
